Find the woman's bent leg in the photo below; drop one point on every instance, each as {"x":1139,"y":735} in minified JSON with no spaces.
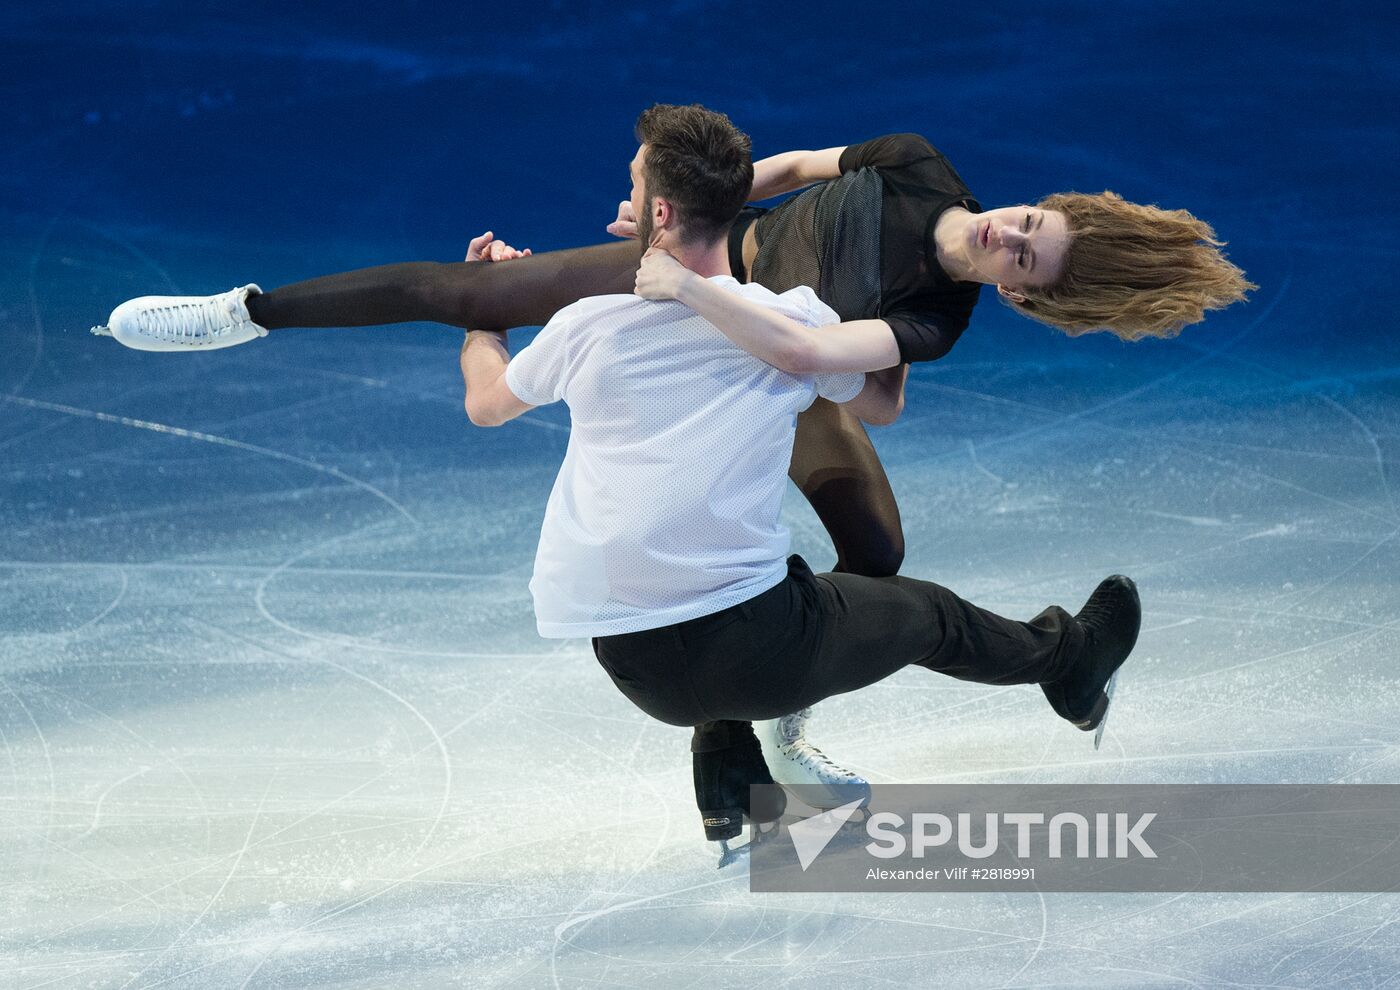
{"x":835,"y":466}
{"x":837,"y":469}
{"x":480,"y":295}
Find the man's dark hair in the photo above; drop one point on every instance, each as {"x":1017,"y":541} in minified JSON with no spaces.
{"x":701,"y":162}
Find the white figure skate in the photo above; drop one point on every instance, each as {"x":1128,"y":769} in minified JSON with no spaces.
{"x":796,"y":763}
{"x":184,"y":323}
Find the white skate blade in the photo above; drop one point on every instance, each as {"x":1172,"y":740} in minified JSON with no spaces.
{"x":1108,"y":693}
{"x":101,"y":331}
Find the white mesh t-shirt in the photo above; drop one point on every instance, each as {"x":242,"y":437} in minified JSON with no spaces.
{"x":666,"y":506}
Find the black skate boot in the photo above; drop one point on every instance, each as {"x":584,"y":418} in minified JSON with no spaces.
{"x":726,"y":760}
{"x":1110,"y":620}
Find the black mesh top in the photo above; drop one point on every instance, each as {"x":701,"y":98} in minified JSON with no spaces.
{"x":864,"y":242}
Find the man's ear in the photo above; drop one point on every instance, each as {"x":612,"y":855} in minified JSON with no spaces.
{"x":1011,"y":294}
{"x":663,"y":214}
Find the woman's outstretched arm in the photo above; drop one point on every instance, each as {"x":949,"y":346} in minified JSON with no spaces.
{"x":778,"y":174}
{"x":772,"y":176}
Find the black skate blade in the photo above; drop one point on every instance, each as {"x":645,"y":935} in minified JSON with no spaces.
{"x":729,"y":855}
{"x":1103,"y":721}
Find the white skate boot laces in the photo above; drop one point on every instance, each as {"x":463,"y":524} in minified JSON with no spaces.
{"x":821,"y":767}
{"x":195,"y":322}
{"x":818,"y":780}
{"x":793,"y":746}
{"x":184,"y":321}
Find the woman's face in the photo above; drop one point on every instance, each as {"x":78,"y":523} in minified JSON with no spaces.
{"x":1018,"y":247}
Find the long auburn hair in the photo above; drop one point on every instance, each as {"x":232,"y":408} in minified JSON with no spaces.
{"x":1136,"y":271}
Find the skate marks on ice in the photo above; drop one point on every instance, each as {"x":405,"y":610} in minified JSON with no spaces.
{"x":287,"y":734}
{"x":419,"y":915}
{"x":227,"y":668}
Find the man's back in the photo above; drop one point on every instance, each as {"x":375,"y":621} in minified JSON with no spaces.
{"x":666,"y":506}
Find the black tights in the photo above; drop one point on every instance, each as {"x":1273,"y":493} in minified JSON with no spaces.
{"x":480,"y":295}
{"x":833,"y":462}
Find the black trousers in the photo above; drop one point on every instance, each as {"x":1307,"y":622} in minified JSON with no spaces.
{"x":815,"y":635}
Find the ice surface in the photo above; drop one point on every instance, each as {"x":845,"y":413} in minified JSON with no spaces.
{"x":272,"y":708}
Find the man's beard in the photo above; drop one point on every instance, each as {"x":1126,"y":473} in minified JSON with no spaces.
{"x":645,"y":228}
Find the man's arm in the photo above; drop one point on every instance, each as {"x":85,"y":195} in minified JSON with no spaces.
{"x":490,"y":402}
{"x":855,"y":345}
{"x":791,"y":170}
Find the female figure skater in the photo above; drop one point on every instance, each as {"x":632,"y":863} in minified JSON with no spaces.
{"x":890,"y":238}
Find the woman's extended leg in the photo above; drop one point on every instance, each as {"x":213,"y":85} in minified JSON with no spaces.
{"x":480,"y":295}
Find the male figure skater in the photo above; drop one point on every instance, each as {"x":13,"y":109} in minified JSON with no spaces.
{"x":661,"y":539}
